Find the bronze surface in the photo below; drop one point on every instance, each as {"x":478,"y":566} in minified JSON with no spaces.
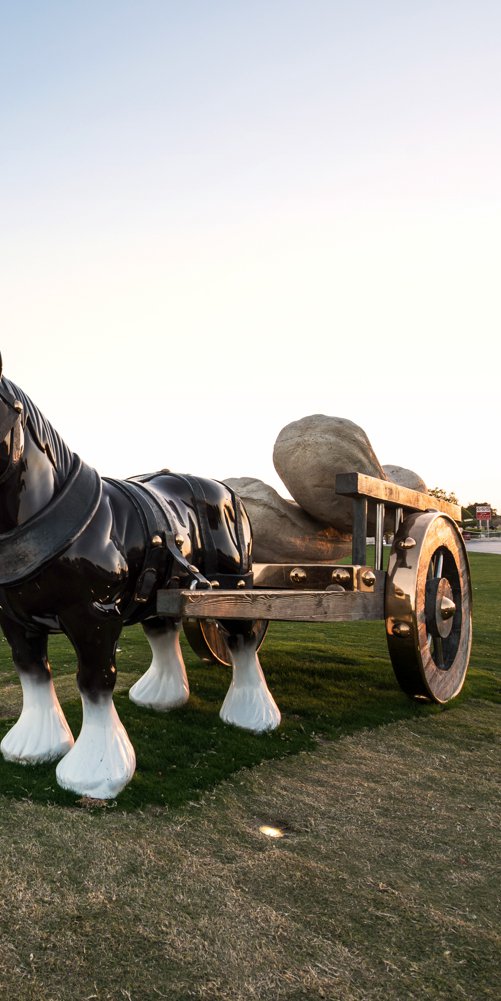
{"x":428,"y":607}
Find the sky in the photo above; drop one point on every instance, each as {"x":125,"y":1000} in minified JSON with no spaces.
{"x":220,"y":217}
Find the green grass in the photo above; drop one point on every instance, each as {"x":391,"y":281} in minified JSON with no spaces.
{"x":329,"y":680}
{"x":385,"y":886}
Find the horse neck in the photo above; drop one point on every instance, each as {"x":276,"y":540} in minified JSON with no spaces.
{"x":41,"y":473}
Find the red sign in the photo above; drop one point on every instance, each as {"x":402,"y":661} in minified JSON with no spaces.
{"x":483,"y":512}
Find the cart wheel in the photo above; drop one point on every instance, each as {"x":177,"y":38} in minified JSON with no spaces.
{"x":428,"y":607}
{"x":207,"y":637}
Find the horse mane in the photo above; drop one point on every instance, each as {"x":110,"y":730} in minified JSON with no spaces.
{"x":47,"y":439}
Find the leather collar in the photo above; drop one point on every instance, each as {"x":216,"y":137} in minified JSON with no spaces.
{"x":29,"y":547}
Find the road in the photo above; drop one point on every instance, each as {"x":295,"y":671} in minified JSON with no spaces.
{"x":483,"y":545}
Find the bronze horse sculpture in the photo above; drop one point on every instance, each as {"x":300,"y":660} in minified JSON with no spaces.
{"x":85,"y":556}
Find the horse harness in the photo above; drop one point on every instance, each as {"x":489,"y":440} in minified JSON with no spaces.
{"x":164,"y":540}
{"x":30,"y":547}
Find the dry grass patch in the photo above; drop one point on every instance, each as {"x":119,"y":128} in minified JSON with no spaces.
{"x":385,"y":887}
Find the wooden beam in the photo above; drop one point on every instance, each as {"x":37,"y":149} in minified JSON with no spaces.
{"x":286,"y":606}
{"x":359,"y":537}
{"x":393,"y":495}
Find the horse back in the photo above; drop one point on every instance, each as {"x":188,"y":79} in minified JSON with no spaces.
{"x":208,"y":518}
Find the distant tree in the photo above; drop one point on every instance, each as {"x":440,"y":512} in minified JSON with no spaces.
{"x":441,"y":494}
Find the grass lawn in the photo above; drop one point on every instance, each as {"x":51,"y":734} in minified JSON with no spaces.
{"x":328,"y":680}
{"x":386,"y":885}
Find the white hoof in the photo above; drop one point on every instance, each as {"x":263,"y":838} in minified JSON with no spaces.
{"x":249,"y":703}
{"x":41,"y":732}
{"x":102,"y":761}
{"x":165,"y":685}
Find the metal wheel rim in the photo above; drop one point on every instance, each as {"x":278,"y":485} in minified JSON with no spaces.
{"x":428,"y":556}
{"x":207,"y":637}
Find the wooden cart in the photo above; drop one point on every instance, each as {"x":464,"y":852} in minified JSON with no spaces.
{"x":424,"y":596}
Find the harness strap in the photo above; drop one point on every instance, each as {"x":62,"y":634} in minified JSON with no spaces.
{"x":24,"y":550}
{"x":156,"y":521}
{"x":239,"y":528}
{"x":202,"y":505}
{"x":206,"y":536}
{"x":207,"y":539}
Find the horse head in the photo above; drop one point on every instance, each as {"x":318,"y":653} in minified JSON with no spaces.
{"x":11,"y":429}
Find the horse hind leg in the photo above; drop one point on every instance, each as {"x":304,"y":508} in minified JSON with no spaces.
{"x":41,"y":733}
{"x":164,"y":685}
{"x":249,"y":703}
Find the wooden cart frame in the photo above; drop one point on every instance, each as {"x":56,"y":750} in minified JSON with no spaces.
{"x":424,"y":596}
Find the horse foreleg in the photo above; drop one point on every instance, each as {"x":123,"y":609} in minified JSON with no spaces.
{"x":102,"y":760}
{"x":249,"y":703}
{"x":41,"y":732}
{"x":165,"y":684}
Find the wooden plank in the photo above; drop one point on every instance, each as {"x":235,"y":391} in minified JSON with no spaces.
{"x":393,"y":495}
{"x":286,"y":606}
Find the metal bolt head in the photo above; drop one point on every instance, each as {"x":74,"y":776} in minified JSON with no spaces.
{"x":401,"y":629}
{"x":341,"y":576}
{"x":240,"y":583}
{"x":407,"y":543}
{"x":298,"y":575}
{"x":156,"y":540}
{"x":215,"y":583}
{"x":369,"y":578}
{"x":447,"y":608}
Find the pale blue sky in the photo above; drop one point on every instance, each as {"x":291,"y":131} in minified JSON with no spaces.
{"x":219,"y":217}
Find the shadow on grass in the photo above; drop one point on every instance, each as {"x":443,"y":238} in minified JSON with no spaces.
{"x":328,"y":680}
{"x":183,"y":753}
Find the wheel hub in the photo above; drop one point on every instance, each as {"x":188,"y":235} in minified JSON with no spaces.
{"x":440,"y":607}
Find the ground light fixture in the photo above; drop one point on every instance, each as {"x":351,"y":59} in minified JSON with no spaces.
{"x":272,"y":831}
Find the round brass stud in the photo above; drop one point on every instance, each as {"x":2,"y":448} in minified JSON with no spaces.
{"x":193,"y":568}
{"x":215,"y":583}
{"x":369,"y":578}
{"x":156,"y":540}
{"x":341,"y":576}
{"x":179,"y":540}
{"x":18,"y":407}
{"x":240,"y":583}
{"x":407,"y":543}
{"x":298,"y":575}
{"x":401,"y":629}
